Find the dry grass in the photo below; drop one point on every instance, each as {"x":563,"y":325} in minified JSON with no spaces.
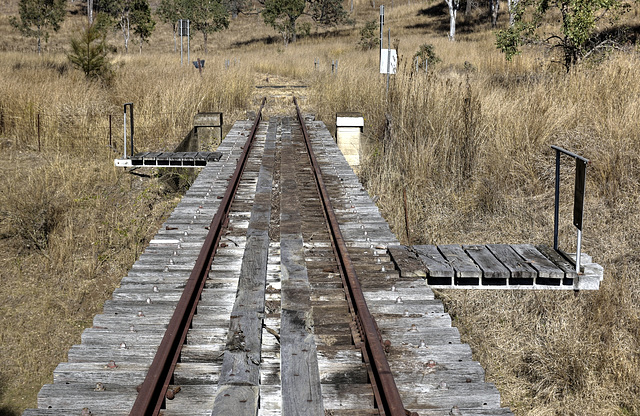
{"x":469,"y":142}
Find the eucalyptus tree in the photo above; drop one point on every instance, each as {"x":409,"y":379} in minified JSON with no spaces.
{"x":283,"y":14}
{"x":36,"y":17}
{"x":579,"y":35}
{"x":207,"y":17}
{"x":143,"y":23}
{"x":454,"y":6}
{"x":170,"y":11}
{"x":129,"y":15}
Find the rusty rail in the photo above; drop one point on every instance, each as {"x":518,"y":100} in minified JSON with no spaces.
{"x":387,"y":392}
{"x":154,"y":388}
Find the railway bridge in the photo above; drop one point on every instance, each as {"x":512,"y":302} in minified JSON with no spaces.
{"x":276,"y":288}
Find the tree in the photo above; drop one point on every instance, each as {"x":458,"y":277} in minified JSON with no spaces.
{"x":369,"y":35}
{"x":579,"y":18}
{"x":454,"y":5}
{"x":236,"y":7}
{"x":512,"y":5}
{"x":327,"y":12}
{"x":89,"y":52}
{"x":143,"y":24}
{"x":207,"y":16}
{"x":127,"y":14}
{"x":426,"y":53}
{"x":170,"y":11}
{"x":120,"y":12}
{"x":282,"y":15}
{"x":37,"y":16}
{"x":494,"y":8}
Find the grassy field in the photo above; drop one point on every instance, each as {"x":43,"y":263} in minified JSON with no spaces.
{"x":469,"y":142}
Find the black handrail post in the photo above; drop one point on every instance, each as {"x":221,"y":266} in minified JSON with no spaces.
{"x":557,"y":202}
{"x":578,"y":199}
{"x":130,"y":105}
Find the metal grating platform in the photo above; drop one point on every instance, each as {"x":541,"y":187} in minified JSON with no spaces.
{"x":169,"y":159}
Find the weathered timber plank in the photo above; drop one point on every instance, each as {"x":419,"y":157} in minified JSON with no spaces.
{"x":466,"y":271}
{"x":471,"y":395}
{"x":299,"y":373}
{"x":236,"y":400}
{"x":240,"y":375}
{"x":299,"y":367}
{"x":521,"y":272}
{"x":567,"y":267}
{"x":548,"y":273}
{"x":439,"y":271}
{"x":467,"y":412}
{"x":407,"y":262}
{"x":493,"y":272}
{"x":77,"y":396}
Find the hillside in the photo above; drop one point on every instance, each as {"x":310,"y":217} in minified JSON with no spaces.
{"x":469,"y":142}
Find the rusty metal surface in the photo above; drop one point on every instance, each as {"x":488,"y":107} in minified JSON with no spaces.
{"x":152,"y":392}
{"x":387,"y":392}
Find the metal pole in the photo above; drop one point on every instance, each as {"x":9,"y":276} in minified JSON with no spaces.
{"x":388,"y":58}
{"x":188,"y":40}
{"x":38,"y":132}
{"x":578,"y":251}
{"x":125,"y":131}
{"x":132,"y":129}
{"x":557,"y":202}
{"x":381,"y":33}
{"x":180,"y":42}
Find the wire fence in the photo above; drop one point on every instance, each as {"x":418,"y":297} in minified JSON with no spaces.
{"x":68,"y":131}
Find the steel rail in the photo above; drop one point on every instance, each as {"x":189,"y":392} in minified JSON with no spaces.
{"x":391,"y":402}
{"x":152,"y":393}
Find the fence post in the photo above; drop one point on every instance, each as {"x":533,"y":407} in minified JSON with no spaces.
{"x":39,"y":147}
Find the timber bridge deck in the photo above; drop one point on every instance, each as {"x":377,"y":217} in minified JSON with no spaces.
{"x":305,"y":307}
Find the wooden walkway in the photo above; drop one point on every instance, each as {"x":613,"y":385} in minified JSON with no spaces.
{"x":273,"y":329}
{"x":496,"y":266}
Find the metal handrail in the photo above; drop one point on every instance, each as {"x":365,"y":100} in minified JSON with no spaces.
{"x":578,"y":201}
{"x":130,"y":105}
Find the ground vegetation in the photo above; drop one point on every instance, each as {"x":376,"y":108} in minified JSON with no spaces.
{"x":469,"y":142}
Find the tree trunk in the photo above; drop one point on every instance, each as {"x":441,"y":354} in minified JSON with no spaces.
{"x":39,"y":31}
{"x":141,"y":40}
{"x":495,"y":7}
{"x":175,"y":41}
{"x":467,"y":9}
{"x":512,"y":5}
{"x":90,"y":11}
{"x":452,"y":19}
{"x":205,"y":42}
{"x":293,"y":31}
{"x":124,"y":24}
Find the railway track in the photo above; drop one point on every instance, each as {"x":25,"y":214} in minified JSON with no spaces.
{"x":271,"y":295}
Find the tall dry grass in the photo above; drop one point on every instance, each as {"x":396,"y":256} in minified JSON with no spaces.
{"x":71,"y":225}
{"x":469,"y":142}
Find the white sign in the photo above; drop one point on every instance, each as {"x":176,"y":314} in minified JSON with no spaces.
{"x":393,"y":63}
